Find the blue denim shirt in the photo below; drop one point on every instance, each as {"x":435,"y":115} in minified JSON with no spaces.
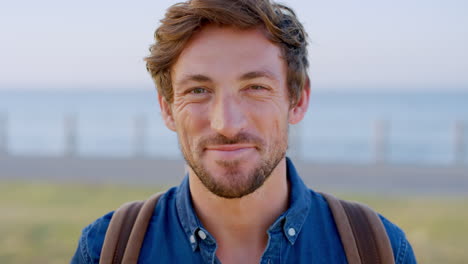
{"x":305,"y":233}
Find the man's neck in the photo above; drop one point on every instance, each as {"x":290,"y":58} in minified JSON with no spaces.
{"x":240,"y":225}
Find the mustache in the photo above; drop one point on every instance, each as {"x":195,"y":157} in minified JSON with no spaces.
{"x":240,"y":138}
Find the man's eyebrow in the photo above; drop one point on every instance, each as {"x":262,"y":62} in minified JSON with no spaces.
{"x":258,"y":74}
{"x":194,"y":78}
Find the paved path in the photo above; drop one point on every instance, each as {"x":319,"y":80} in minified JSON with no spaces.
{"x":326,"y":177}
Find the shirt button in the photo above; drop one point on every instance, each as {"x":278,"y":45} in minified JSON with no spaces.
{"x":192,"y":239}
{"x":291,"y":232}
{"x":202,"y":234}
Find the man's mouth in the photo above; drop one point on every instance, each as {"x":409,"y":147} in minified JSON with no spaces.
{"x":229,"y":147}
{"x":229,"y":151}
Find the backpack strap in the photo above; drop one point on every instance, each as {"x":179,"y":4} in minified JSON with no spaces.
{"x":126,"y":231}
{"x":362,"y":233}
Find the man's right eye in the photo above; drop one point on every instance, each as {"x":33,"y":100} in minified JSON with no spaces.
{"x":198,"y":90}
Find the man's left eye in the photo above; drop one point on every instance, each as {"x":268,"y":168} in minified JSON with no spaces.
{"x":257,"y":87}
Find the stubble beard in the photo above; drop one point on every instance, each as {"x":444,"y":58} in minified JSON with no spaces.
{"x":236,"y":183}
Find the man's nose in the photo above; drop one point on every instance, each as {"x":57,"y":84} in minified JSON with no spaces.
{"x":227,"y":116}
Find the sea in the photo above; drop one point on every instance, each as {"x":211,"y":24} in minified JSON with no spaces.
{"x":397,"y":127}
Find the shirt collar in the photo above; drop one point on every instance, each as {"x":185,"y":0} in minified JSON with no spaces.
{"x":187,"y":217}
{"x":292,"y":219}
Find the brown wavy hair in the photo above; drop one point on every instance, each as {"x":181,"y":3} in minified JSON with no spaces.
{"x":182,"y":20}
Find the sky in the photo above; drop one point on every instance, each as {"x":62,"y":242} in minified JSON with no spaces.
{"x":361,"y":44}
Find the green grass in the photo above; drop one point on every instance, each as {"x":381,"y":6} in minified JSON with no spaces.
{"x":41,"y":223}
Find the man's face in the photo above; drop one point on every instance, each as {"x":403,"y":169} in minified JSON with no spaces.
{"x":231,"y":108}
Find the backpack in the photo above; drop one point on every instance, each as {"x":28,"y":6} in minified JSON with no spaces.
{"x":361,"y":231}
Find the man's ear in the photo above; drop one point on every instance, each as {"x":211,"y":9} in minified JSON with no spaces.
{"x":166,"y":113}
{"x":297,"y":113}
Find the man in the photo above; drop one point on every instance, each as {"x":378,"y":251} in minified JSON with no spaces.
{"x":231,"y":77}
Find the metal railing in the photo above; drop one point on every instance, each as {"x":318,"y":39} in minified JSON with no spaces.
{"x":380,"y":141}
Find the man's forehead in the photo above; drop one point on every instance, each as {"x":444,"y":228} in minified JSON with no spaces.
{"x":185,"y":78}
{"x":241,"y":53}
{"x":223,"y":31}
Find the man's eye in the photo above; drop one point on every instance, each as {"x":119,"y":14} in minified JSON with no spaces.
{"x":198,"y":91}
{"x":257,"y":87}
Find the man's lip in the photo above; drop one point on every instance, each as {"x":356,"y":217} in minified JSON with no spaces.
{"x":229,"y":147}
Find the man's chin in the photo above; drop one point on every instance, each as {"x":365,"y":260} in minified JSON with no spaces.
{"x":231,"y":187}
{"x":231,"y":179}
{"x":240,"y":167}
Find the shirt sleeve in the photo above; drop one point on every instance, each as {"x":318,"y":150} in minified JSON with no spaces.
{"x":91,"y":241}
{"x":402,"y":250}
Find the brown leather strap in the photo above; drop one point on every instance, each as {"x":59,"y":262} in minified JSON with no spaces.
{"x":114,"y":231}
{"x":126,"y":231}
{"x":137,"y":236}
{"x":344,"y":229}
{"x":380,"y":237}
{"x":362,"y":233}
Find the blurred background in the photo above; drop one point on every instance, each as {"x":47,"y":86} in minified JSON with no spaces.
{"x":81,"y":131}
